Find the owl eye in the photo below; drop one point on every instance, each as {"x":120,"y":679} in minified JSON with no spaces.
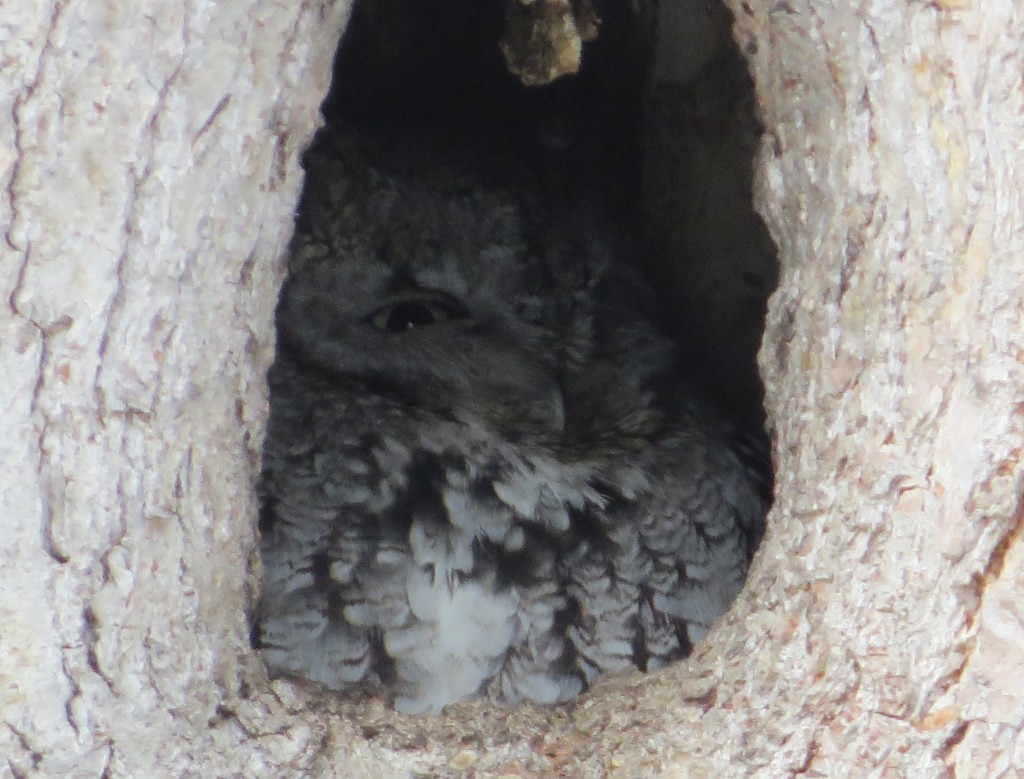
{"x":410,"y":314}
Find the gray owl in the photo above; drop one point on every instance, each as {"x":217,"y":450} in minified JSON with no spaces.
{"x":485,"y":473}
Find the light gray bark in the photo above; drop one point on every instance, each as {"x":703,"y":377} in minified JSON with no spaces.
{"x":148,"y":161}
{"x":890,"y":179}
{"x":149,"y":168}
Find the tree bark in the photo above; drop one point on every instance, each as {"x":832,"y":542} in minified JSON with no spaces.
{"x":149,"y":171}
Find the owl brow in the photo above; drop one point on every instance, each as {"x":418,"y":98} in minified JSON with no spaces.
{"x":401,"y":280}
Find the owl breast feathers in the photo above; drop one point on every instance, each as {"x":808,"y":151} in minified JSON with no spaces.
{"x":485,"y":473}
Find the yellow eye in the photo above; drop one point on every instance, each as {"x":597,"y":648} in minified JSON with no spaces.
{"x":410,"y":314}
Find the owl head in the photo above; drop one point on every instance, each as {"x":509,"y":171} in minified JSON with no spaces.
{"x":417,"y":275}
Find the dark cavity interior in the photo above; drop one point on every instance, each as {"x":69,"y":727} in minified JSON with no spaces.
{"x":654,"y":132}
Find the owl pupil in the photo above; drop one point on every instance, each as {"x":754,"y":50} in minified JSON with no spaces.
{"x":407,"y":315}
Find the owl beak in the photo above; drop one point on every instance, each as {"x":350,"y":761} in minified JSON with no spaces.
{"x":549,"y":411}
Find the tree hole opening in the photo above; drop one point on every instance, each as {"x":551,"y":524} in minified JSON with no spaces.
{"x":641,"y":118}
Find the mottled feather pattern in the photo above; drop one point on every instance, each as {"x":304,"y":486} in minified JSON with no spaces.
{"x":485,"y":473}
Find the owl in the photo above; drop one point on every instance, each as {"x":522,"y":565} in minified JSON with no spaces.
{"x":485,"y":473}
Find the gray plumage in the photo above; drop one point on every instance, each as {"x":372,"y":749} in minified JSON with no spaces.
{"x":484,"y":473}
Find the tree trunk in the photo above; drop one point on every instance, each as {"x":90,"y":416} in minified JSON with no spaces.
{"x":149,"y":165}
{"x":150,"y":169}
